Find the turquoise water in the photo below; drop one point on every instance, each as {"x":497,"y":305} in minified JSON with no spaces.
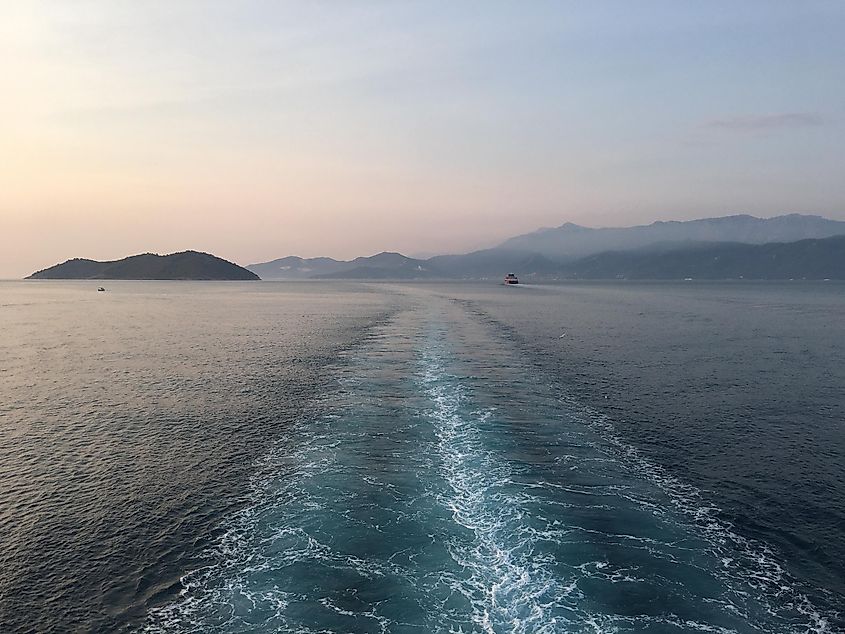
{"x":438,"y":489}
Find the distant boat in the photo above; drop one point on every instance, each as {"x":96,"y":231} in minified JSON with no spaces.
{"x":101,"y":290}
{"x":510,"y":278}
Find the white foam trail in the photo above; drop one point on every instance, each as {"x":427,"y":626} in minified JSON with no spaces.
{"x":508,"y":591}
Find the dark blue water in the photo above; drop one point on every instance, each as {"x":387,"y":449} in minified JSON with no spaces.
{"x":485,"y":459}
{"x":734,"y":388}
{"x":130,"y":422}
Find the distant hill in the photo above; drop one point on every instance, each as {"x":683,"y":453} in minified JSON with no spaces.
{"x":494,"y":263}
{"x":187,"y":265}
{"x":569,"y":241}
{"x":812,"y":259}
{"x":385,"y":265}
{"x":296,"y":268}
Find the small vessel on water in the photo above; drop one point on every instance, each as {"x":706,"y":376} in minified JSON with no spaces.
{"x":101,"y":290}
{"x":510,"y":278}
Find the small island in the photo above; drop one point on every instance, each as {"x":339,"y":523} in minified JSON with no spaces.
{"x":186,"y":265}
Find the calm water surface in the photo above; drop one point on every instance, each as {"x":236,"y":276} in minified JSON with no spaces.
{"x":181,"y":457}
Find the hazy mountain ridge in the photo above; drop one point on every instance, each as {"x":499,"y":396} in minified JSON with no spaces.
{"x":582,"y":252}
{"x":384,"y":265}
{"x":295,"y":267}
{"x":570,"y":241}
{"x":812,"y":259}
{"x":186,"y":265}
{"x":495,"y":263}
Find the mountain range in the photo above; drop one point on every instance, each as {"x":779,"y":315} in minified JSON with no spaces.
{"x":570,"y":241}
{"x":796,"y":246}
{"x":384,"y":265}
{"x":812,"y":259}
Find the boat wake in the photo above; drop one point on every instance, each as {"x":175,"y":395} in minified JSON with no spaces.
{"x":507,"y":585}
{"x":443,"y":490}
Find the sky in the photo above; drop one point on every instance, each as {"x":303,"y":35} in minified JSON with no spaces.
{"x":259,"y":129}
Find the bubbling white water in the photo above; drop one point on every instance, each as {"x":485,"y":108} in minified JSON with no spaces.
{"x":507,"y":588}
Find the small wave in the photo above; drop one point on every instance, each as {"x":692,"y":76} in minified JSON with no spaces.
{"x":743,"y":562}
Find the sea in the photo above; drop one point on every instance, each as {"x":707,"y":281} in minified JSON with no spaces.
{"x":422,"y":457}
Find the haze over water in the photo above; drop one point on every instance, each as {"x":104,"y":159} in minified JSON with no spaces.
{"x":181,"y":457}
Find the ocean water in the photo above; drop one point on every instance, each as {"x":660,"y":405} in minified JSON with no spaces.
{"x":422,"y":458}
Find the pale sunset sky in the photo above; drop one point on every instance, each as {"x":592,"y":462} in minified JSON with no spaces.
{"x":255,"y":130}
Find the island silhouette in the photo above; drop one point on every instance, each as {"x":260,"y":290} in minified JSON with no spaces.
{"x":186,"y":265}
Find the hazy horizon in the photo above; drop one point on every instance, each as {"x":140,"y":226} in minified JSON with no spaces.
{"x":418,"y":255}
{"x":255,"y":130}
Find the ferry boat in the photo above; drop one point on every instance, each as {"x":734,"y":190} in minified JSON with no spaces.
{"x":510,"y":278}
